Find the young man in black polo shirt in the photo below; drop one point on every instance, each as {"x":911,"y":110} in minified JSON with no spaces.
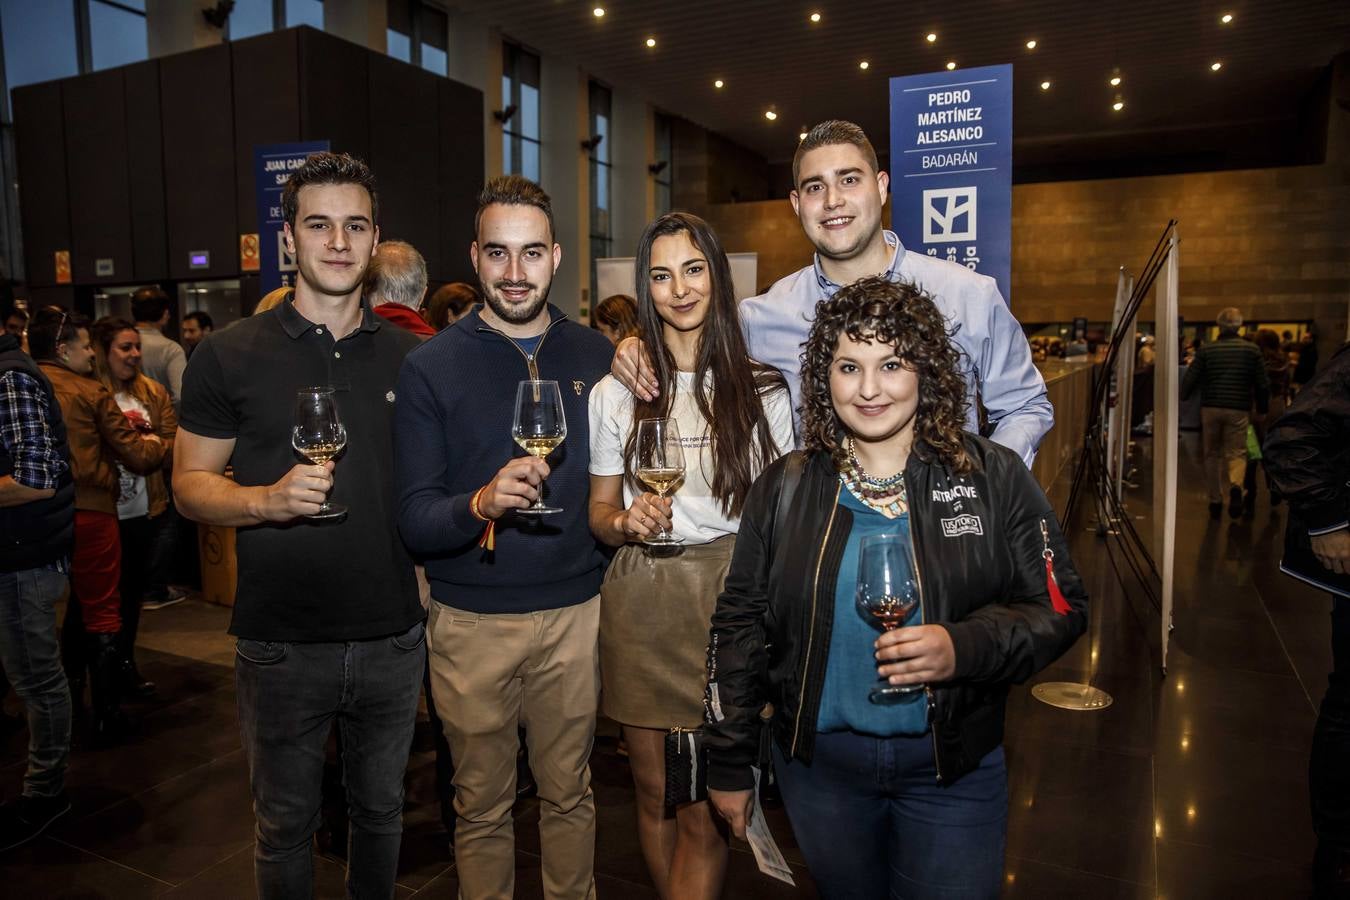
{"x":515,"y":612}
{"x":326,"y":613}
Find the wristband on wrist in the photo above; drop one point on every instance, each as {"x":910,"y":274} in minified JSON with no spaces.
{"x":488,"y":540}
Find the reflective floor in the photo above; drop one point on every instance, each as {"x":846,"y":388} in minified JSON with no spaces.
{"x":1190,"y":785}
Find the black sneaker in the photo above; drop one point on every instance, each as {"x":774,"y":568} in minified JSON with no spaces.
{"x":1234,"y":502}
{"x":27,"y":817}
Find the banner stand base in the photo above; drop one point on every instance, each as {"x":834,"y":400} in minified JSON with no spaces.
{"x":1072,"y":696}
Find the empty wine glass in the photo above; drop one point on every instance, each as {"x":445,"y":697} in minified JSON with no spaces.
{"x":540,"y":426}
{"x":660,"y":464}
{"x":319,"y":436}
{"x":888,"y":598}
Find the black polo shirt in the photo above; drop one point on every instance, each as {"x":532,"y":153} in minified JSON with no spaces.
{"x":342,"y":580}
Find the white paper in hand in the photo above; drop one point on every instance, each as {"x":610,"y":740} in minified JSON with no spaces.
{"x":767,"y":855}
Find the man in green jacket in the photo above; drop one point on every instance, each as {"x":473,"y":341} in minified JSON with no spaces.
{"x":1231,"y":377}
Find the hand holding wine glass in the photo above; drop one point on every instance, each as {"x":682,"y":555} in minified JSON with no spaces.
{"x":888,"y":597}
{"x":660,"y":465}
{"x":540,"y":425}
{"x":319,"y":436}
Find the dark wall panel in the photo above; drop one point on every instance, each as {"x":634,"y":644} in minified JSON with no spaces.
{"x":403,"y":149}
{"x":44,"y":199}
{"x":145,"y":146}
{"x":266,"y":108}
{"x":335,"y":92}
{"x":96,"y":168}
{"x":460,"y":119}
{"x":199,"y":171}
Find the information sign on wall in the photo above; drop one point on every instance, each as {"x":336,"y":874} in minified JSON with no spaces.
{"x":951,"y":167}
{"x":272,"y":168}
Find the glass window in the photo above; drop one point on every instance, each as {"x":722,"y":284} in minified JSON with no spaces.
{"x":116,"y":35}
{"x":250,"y":17}
{"x":434,"y":37}
{"x":601,"y":153}
{"x":304,"y":12}
{"x":520,"y":133}
{"x":400,"y":46}
{"x":39,"y":41}
{"x":665,"y":162}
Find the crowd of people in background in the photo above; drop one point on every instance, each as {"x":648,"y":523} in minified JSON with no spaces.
{"x":841,"y":406}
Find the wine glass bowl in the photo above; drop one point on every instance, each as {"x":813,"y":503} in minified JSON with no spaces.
{"x":887,"y":597}
{"x":319,"y":436}
{"x":539,"y":426}
{"x":660,"y":465}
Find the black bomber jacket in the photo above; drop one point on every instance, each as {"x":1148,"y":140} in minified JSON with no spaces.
{"x":979,"y":541}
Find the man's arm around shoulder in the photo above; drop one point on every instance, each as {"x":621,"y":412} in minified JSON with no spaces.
{"x":1010,"y":384}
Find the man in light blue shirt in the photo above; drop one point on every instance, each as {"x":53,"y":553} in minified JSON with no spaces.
{"x":839,"y":192}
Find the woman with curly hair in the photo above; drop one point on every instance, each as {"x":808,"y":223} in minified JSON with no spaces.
{"x":913,"y":784}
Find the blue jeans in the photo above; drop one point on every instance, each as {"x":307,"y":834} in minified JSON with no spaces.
{"x":31,"y":655}
{"x":1328,"y":777}
{"x":873,"y":823}
{"x":289,"y":696}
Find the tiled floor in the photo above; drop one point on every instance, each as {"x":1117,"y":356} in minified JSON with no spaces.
{"x":1191,"y":785}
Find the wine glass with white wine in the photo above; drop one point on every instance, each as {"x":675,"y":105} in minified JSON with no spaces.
{"x":660,"y":464}
{"x":540,"y":426}
{"x":319,"y":436}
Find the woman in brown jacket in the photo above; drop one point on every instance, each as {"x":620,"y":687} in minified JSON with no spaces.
{"x":100,"y":437}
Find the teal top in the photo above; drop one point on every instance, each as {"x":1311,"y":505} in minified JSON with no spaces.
{"x":851,"y":667}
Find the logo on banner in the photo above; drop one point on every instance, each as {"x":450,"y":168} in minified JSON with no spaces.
{"x":960,"y":525}
{"x":285,"y":259}
{"x":949,"y":214}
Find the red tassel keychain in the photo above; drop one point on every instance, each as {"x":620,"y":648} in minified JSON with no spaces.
{"x":1051,"y":584}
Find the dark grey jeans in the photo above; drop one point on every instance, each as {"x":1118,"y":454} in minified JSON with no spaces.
{"x":31,"y":655}
{"x":289,"y":695}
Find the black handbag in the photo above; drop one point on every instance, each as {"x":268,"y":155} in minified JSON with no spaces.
{"x":686,"y":767}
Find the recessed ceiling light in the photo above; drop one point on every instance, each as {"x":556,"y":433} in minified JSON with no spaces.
{"x":1031,"y":44}
{"x":770,"y":114}
{"x":598,"y":12}
{"x":931,"y":37}
{"x":1115,"y":81}
{"x":1119,"y":104}
{"x":951,"y":64}
{"x":815,"y":17}
{"x":1215,"y":66}
{"x":864,"y":64}
{"x":1045,"y":85}
{"x":719,"y":83}
{"x":1226,"y":18}
{"x":651,"y":42}
{"x":801,"y":136}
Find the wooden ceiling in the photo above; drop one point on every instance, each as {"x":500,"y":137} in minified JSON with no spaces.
{"x":770,"y":55}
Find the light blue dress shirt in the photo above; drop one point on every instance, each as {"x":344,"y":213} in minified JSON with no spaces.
{"x":997,"y":355}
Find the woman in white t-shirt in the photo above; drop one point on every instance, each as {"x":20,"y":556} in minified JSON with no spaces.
{"x":141,"y":499}
{"x":735,"y":417}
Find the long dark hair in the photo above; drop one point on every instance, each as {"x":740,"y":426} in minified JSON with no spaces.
{"x":741,"y":441}
{"x":903,"y":316}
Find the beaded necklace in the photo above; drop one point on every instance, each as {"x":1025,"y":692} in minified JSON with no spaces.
{"x":886,"y":495}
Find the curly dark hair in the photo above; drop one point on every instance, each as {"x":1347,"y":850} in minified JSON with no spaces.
{"x":876,"y":309}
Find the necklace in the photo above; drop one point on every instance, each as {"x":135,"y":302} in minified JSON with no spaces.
{"x":886,"y":495}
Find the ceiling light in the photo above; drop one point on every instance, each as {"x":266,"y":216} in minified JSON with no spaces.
{"x":801,"y":135}
{"x":951,"y":64}
{"x":931,"y":37}
{"x":719,"y":83}
{"x":770,"y":114}
{"x":1115,"y":81}
{"x":1031,"y":45}
{"x":598,"y":12}
{"x":651,"y":42}
{"x":1215,"y":66}
{"x":1119,"y":104}
{"x":815,"y":17}
{"x":1045,"y":85}
{"x":1226,"y":18}
{"x":864,"y":64}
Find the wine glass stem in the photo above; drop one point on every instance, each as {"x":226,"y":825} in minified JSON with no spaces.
{"x":539,"y":501}
{"x":664,"y":533}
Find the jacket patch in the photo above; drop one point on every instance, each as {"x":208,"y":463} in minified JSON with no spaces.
{"x":959,"y":525}
{"x":578,"y":386}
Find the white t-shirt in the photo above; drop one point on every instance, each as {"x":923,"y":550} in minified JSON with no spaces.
{"x":697,"y":515}
{"x":132,"y":499}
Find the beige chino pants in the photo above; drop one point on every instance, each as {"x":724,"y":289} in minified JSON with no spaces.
{"x":488,"y":674}
{"x":1224,"y":438}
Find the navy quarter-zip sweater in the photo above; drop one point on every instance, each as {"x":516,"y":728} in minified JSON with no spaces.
{"x":452,"y":433}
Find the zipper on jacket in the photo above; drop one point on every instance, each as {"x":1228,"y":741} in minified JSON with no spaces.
{"x":815,"y":593}
{"x":923,"y":608}
{"x":531,"y":366}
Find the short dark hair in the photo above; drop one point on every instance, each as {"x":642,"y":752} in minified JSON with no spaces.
{"x":450,"y":300}
{"x":513,"y":190}
{"x":202,"y":319}
{"x":24,"y":315}
{"x":50,"y":326}
{"x":328,"y":168}
{"x":149,"y":303}
{"x":834,"y":131}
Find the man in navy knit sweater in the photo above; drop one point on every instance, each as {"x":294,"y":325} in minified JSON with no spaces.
{"x":515,"y":612}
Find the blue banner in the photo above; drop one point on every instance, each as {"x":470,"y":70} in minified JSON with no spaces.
{"x":951,"y":167}
{"x":272,"y":168}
